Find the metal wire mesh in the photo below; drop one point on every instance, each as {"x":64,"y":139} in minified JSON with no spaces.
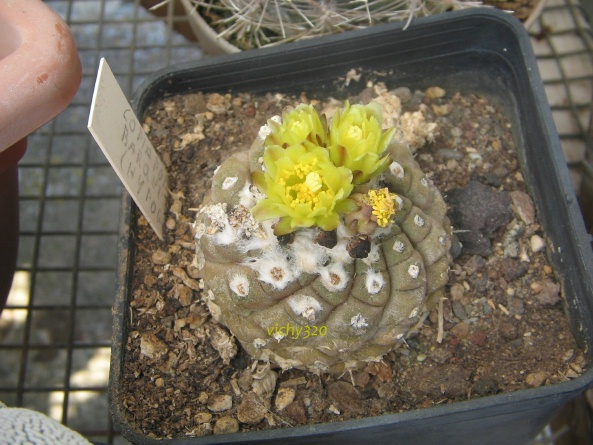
{"x":563,"y":44}
{"x":55,"y":333}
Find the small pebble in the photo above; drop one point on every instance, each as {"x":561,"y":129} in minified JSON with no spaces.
{"x":296,"y":412}
{"x":171,"y":224}
{"x":284,"y":397}
{"x":361,"y":379}
{"x":345,"y":397}
{"x":204,"y":429}
{"x":487,"y":309}
{"x":386,"y":391}
{"x":449,"y":380}
{"x":523,"y":206}
{"x":479,"y":338}
{"x":508,"y":330}
{"x":404,"y":94}
{"x":251,"y":410}
{"x":515,"y":306}
{"x":459,"y":310}
{"x":537,"y":243}
{"x":203,"y":417}
{"x":568,"y":355}
{"x":475,"y":264}
{"x":461,"y":330}
{"x":457,"y":291}
{"x":571,"y":374}
{"x":450,"y":154}
{"x":536,"y":379}
{"x":226,"y":425}
{"x":441,"y":110}
{"x":203,"y":398}
{"x":382,"y":370}
{"x":452,"y":164}
{"x":435,"y":92}
{"x":160,"y":257}
{"x":220,"y":402}
{"x":456,"y":132}
{"x":549,"y":293}
{"x":152,"y":347}
{"x":332,"y":409}
{"x":185,"y":296}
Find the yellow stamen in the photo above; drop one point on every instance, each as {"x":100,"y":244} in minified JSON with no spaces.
{"x":383,"y":204}
{"x":303,"y":191}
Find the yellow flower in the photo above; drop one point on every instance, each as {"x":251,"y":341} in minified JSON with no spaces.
{"x":303,"y":188}
{"x":356,"y":141}
{"x":301,"y":125}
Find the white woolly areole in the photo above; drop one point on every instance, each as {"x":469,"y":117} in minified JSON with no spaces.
{"x":229,"y":182}
{"x":414,"y":270}
{"x":259,"y":343}
{"x":396,"y":170}
{"x":265,"y":241}
{"x":374,"y":282}
{"x":308,"y":256}
{"x":418,"y":220}
{"x":247,"y":197}
{"x":264,"y":132}
{"x":359,"y":322}
{"x":305,"y":306}
{"x":217,"y":215}
{"x":334,"y":277}
{"x":219,"y":229}
{"x":273,"y":268}
{"x":239,"y":284}
{"x":226,"y":236}
{"x":278,"y":336}
{"x":399,"y":246}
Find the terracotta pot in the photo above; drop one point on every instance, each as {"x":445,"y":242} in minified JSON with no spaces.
{"x":40,"y":73}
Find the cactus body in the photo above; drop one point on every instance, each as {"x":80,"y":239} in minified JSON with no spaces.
{"x":303,"y":299}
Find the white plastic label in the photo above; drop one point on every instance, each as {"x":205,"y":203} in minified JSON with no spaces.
{"x":118,"y":132}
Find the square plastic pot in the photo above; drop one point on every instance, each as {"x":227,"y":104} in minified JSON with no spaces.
{"x":482,"y":51}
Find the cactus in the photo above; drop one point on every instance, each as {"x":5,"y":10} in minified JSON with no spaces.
{"x":253,"y":24}
{"x":323,"y":245}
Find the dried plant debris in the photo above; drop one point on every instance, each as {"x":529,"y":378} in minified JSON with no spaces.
{"x":499,"y":328}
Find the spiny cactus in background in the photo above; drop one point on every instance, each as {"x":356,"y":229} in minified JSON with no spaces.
{"x":324,"y":244}
{"x":253,"y":24}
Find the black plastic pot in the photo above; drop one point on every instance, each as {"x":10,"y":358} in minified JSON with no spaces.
{"x":475,"y":50}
